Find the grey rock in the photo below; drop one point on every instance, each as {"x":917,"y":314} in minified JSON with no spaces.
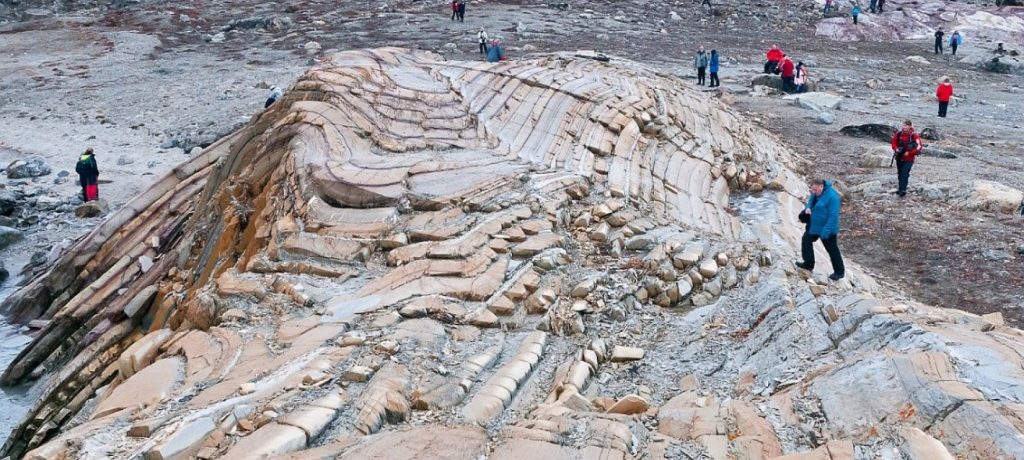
{"x":124,"y":160}
{"x":8,"y":202}
{"x":27,"y":168}
{"x":825,"y":118}
{"x":9,"y":236}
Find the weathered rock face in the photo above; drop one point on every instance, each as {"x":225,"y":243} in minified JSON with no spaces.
{"x":915,"y":20}
{"x":406,"y":257}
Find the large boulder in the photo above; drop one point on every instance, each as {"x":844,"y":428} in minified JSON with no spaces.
{"x":27,"y":168}
{"x":9,"y":236}
{"x":8,"y":202}
{"x":816,"y":101}
{"x":878,"y":131}
{"x":992,"y":196}
{"x":94,"y":208}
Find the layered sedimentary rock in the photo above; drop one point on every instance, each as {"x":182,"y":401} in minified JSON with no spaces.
{"x":914,"y":20}
{"x":407,"y":257}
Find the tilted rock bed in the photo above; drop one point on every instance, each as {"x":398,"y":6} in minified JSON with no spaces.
{"x":407,"y":257}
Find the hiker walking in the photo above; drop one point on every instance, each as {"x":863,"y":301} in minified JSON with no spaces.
{"x":275,"y":94}
{"x":774,"y":55}
{"x":855,"y":12}
{"x":938,"y":40}
{"x":700,"y":61}
{"x":88,"y":175}
{"x":788,"y":74}
{"x":800,"y":80}
{"x":481,"y":37}
{"x":455,"y":9}
{"x":906,"y":144}
{"x":462,"y":10}
{"x":943,"y":93}
{"x":955,"y":41}
{"x":713,"y":68}
{"x":822,"y":215}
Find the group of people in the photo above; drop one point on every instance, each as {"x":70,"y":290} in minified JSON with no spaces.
{"x":955,"y":40}
{"x":459,"y":10}
{"x":794,"y":76}
{"x":707,"y":63}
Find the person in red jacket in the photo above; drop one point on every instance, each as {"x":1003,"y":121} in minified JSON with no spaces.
{"x":774,"y":56}
{"x":943,"y":93}
{"x":455,"y":10}
{"x":906,"y":144}
{"x":788,"y":74}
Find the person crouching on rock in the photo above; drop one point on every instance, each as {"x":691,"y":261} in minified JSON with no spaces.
{"x":495,"y":52}
{"x":906,"y":144}
{"x":822,"y":209}
{"x":88,"y":175}
{"x":774,"y":55}
{"x":275,"y":94}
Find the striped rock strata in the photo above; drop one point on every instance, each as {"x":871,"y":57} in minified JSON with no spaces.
{"x":407,"y":257}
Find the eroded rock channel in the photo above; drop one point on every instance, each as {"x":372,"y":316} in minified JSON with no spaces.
{"x":408,"y":257}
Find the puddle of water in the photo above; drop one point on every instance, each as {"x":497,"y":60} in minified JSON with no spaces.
{"x":14,"y":401}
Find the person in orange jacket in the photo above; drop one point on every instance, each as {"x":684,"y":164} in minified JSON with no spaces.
{"x":943,"y":93}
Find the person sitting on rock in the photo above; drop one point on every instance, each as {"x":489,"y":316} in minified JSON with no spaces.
{"x":822,"y":209}
{"x":943,"y":93}
{"x":906,"y":144}
{"x":495,"y":53}
{"x":88,"y":175}
{"x":774,"y":56}
{"x":275,"y":94}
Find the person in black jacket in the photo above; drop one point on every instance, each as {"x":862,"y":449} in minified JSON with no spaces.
{"x":88,"y":175}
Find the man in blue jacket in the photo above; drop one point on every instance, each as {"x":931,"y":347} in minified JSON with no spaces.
{"x":822,"y":208}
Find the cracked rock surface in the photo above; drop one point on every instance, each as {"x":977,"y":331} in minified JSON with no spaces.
{"x":410,"y":257}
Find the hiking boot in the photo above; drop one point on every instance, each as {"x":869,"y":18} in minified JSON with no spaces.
{"x":804,"y":266}
{"x":835,"y":277}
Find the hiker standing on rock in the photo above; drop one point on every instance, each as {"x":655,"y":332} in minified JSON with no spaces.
{"x":873,"y":7}
{"x":800,"y":80}
{"x":881,"y":5}
{"x":955,"y":40}
{"x":906,"y":144}
{"x":481,"y":37}
{"x":938,"y":40}
{"x":88,"y":175}
{"x":462,"y":11}
{"x":700,"y":61}
{"x":455,"y":9}
{"x":855,"y":12}
{"x":713,"y":68}
{"x":828,"y":6}
{"x":822,"y":213}
{"x":943,"y":93}
{"x":774,"y":55}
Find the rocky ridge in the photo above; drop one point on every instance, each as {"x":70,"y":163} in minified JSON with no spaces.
{"x":432,"y":258}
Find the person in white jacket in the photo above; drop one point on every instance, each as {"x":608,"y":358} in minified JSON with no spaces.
{"x":481,"y":38}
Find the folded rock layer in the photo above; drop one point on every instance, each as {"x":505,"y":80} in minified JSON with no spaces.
{"x":407,"y":257}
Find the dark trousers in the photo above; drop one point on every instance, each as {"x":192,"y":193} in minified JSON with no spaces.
{"x":874,"y":6}
{"x":942,"y":108}
{"x":787,"y":84}
{"x":455,"y":14}
{"x":700,"y":75}
{"x":855,"y":20}
{"x":769,"y":67}
{"x":953,"y":47}
{"x":938,"y":46}
{"x":462,"y":14}
{"x":714,"y":79}
{"x":880,"y":6}
{"x":831,"y":246}
{"x":903,"y":175}
{"x":483,"y":47}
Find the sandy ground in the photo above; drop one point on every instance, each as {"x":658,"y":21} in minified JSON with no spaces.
{"x":150,"y":81}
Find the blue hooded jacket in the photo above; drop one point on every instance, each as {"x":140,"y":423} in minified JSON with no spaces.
{"x":713,"y":66}
{"x":824,"y":212}
{"x":495,"y":53}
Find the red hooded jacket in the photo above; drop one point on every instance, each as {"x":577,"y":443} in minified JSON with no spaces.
{"x":775,"y":54}
{"x":788,"y":68}
{"x":944,"y":92}
{"x":902,"y":138}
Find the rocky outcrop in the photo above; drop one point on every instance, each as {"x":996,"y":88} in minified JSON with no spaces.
{"x":408,"y":257}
